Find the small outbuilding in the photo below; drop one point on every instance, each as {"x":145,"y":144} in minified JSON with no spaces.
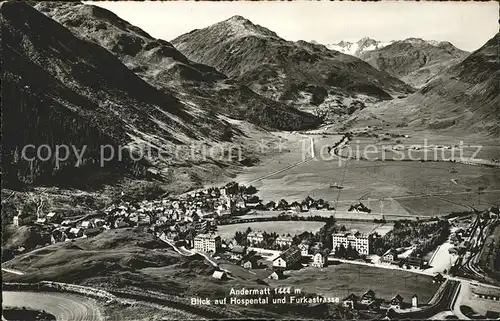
{"x":221,"y":275}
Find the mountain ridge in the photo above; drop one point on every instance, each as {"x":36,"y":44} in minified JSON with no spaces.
{"x":282,"y":70}
{"x":464,"y":98}
{"x":159,"y":63}
{"x":63,"y":90}
{"x":414,"y":60}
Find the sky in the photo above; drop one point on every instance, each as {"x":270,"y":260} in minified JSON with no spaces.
{"x":468,"y":25}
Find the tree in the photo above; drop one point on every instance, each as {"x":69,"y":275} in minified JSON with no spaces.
{"x":270,"y":205}
{"x":238,"y":237}
{"x":351,"y":252}
{"x":341,"y":251}
{"x":251,"y":190}
{"x":232,"y":188}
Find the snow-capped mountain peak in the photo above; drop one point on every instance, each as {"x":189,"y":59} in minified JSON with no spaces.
{"x":357,"y":48}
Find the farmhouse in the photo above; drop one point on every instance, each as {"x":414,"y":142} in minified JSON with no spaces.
{"x":368,"y":297}
{"x":390,"y":256}
{"x":304,"y":248}
{"x":276,"y":275}
{"x":396,"y":301}
{"x":52,"y":217}
{"x":87,"y":224}
{"x":319,"y":260}
{"x":75,"y":232}
{"x":288,"y":258}
{"x":351,"y":301}
{"x":210,"y":242}
{"x":249,"y":264}
{"x":238,"y":252}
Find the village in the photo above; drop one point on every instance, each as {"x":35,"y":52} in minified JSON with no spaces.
{"x":190,"y":225}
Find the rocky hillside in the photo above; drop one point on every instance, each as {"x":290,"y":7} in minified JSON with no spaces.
{"x":359,"y":47}
{"x":415,"y":61}
{"x":300,"y":73}
{"x":465,"y":98}
{"x":58,"y":89}
{"x":160,"y":64}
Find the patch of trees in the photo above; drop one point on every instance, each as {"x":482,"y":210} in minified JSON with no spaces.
{"x":348,"y":252}
{"x":44,"y":123}
{"x":489,"y":259}
{"x":234,"y":189}
{"x":427,"y":236}
{"x":281,"y":217}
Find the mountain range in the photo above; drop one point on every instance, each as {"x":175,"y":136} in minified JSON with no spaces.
{"x":100,"y":81}
{"x":299,"y":73}
{"x":463,"y":98}
{"x":414,"y":60}
{"x":77,"y":74}
{"x":160,"y":64}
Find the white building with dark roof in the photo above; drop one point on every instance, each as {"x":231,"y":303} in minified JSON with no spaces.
{"x":363,"y":243}
{"x":209,"y":242}
{"x":288,"y":258}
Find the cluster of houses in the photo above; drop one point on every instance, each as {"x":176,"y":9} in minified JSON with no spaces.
{"x":60,"y":230}
{"x":369,"y":301}
{"x":359,"y":208}
{"x":257,"y":237}
{"x":393,"y":256}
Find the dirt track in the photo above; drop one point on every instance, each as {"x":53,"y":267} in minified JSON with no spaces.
{"x":64,"y":306}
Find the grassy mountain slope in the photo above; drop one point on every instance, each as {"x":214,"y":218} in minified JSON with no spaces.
{"x":301,"y":73}
{"x":160,"y":64}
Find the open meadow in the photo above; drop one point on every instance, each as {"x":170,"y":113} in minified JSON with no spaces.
{"x":387,"y":187}
{"x":342,"y":279}
{"x":280,"y":227}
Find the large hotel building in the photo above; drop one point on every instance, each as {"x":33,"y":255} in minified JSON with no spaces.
{"x":363,"y":243}
{"x":209,"y":242}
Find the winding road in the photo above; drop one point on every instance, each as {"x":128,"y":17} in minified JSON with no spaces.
{"x":64,"y":306}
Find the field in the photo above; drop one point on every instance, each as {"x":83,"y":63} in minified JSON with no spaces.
{"x":342,"y":279}
{"x":389,"y":187}
{"x":366,"y":227}
{"x":292,"y":227}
